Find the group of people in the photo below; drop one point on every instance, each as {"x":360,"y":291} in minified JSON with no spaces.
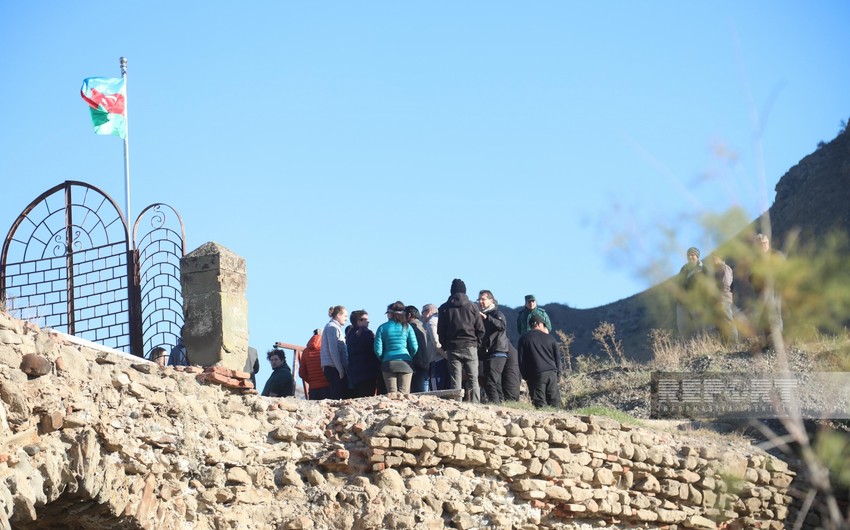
{"x":435,"y":349}
{"x":464,"y":344}
{"x":705,"y":295}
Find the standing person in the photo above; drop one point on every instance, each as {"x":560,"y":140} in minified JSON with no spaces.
{"x":364,"y":370}
{"x":723,"y":309}
{"x":690,"y":306}
{"x":767,"y":313}
{"x":395,"y":346}
{"x":280,"y":383}
{"x":439,"y":364}
{"x":461,"y":330}
{"x":334,"y":353}
{"x":421,"y":381}
{"x":178,"y":356}
{"x":494,"y":346}
{"x":540,"y":364}
{"x":311,"y":371}
{"x":531,"y":308}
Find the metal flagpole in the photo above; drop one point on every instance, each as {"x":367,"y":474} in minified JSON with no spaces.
{"x":123,"y":61}
{"x":134,"y":294}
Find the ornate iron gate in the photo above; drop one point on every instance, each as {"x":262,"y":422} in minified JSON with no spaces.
{"x":66,"y":264}
{"x":160,"y":243}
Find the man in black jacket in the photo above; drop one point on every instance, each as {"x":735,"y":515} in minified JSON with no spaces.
{"x":280,"y":383}
{"x":461,"y":330}
{"x":494,"y":347}
{"x":540,"y":364}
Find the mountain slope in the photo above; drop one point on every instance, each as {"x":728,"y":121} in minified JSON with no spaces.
{"x":813,"y":197}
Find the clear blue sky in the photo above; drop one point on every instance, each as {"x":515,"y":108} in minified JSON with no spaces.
{"x":360,"y":153}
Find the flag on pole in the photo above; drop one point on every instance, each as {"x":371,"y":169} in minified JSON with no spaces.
{"x":106,"y":98}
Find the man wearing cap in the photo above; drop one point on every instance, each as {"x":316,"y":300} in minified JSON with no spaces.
{"x":531,"y":308}
{"x":461,"y":330}
{"x":540,"y":364}
{"x":691,"y":295}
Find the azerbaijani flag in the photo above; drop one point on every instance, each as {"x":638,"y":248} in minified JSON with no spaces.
{"x":107,"y":99}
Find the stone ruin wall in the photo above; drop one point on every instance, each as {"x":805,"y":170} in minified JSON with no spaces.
{"x":103,"y":440}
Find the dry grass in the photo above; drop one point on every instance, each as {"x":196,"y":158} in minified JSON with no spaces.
{"x":607,"y":412}
{"x":703,"y":434}
{"x":670,"y":354}
{"x":829,"y":352}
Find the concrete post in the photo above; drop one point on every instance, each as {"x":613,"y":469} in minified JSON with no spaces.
{"x":215,"y":309}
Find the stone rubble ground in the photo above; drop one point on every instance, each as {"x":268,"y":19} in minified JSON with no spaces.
{"x":101,"y":440}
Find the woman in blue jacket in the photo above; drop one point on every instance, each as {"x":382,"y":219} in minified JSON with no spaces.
{"x":395,"y":346}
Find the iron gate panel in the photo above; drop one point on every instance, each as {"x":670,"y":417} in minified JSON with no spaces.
{"x":66,"y":264}
{"x":36,"y":290}
{"x":159,"y":235}
{"x":101,"y":300}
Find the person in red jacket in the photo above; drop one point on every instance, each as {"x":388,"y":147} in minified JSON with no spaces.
{"x":310,"y":370}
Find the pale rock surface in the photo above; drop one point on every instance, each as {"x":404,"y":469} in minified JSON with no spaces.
{"x":107,"y":441}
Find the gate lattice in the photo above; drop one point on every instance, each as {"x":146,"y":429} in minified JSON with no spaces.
{"x":66,"y":264}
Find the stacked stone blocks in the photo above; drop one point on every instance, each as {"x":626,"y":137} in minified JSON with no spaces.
{"x":96,"y":439}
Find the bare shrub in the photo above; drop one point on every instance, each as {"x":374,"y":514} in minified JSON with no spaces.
{"x":606,"y":335}
{"x":666,"y":351}
{"x":564,"y":346}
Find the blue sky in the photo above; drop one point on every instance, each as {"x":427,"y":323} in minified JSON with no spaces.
{"x":361,"y":153}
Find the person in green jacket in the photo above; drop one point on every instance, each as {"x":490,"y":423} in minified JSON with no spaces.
{"x":280,"y":383}
{"x":531,"y":308}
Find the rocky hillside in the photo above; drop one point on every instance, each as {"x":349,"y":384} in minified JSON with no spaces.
{"x":812,"y":198}
{"x":91,"y":438}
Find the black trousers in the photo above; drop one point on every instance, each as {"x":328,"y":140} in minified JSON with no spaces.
{"x":544,"y":391}
{"x":511,"y":379}
{"x":493,"y":367}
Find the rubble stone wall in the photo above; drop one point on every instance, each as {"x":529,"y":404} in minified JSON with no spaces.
{"x":92,"y":438}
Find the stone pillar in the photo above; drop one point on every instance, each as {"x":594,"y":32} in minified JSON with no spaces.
{"x":215,"y":310}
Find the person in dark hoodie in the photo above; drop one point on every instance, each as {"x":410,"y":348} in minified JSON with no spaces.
{"x":461,"y":330}
{"x":540,"y":364}
{"x":364,"y":369}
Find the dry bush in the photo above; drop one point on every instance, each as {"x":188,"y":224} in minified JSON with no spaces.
{"x":564,"y":346}
{"x":666,"y":351}
{"x":606,"y":335}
